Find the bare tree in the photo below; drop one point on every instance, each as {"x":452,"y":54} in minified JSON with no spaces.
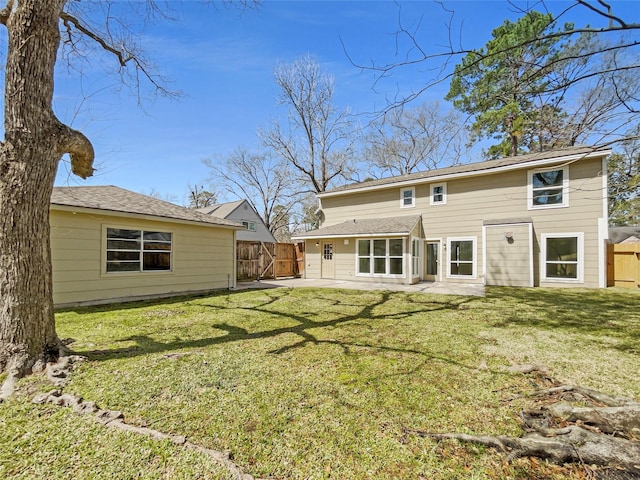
{"x":34,"y":142}
{"x":315,"y":137}
{"x":265,"y":182}
{"x":199,"y":197}
{"x":408,"y":139}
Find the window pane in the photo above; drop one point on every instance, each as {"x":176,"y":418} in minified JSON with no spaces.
{"x":462,"y":269}
{"x":432,"y":259}
{"x":123,"y":244}
{"x":364,"y":265}
{"x":462,"y":250}
{"x":379,"y":265}
{"x":120,"y":255}
{"x":562,"y":270}
{"x":395,"y":266}
{"x":158,"y":236}
{"x":562,"y":249}
{"x":379,"y":248}
{"x":364,"y":248}
{"x":395,"y":247}
{"x":122,"y":233}
{"x":123,"y":266}
{"x":547,"y":197}
{"x":548,"y":179}
{"x":156,"y":246}
{"x":157,"y":261}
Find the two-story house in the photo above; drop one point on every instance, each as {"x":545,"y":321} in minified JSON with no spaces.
{"x":531,"y":220}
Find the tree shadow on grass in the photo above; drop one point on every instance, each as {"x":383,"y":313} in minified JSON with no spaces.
{"x":304,"y":326}
{"x":603,"y":313}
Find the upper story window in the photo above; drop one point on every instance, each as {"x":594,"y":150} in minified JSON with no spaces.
{"x":249,"y":225}
{"x":438,"y":194}
{"x":548,"y":188}
{"x":407,"y":197}
{"x":138,"y":250}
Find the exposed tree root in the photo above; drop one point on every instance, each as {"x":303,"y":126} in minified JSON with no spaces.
{"x":573,"y":425}
{"x":57,"y":363}
{"x":115,"y":419}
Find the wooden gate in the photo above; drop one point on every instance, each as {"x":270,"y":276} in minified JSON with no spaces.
{"x":258,"y":260}
{"x":623,"y":265}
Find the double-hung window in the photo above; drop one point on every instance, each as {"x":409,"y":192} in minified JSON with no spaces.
{"x":407,"y":197}
{"x":548,"y":188}
{"x":438,"y":194}
{"x":562,"y":256}
{"x":462,"y":260}
{"x":138,"y":250}
{"x":380,"y":257}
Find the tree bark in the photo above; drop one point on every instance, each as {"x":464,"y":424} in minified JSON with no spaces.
{"x":35,"y":141}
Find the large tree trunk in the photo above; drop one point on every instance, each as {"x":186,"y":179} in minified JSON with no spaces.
{"x":34,"y":143}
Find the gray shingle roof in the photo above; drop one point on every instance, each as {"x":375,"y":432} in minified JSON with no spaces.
{"x":370,"y":226}
{"x":116,"y":199}
{"x":221,"y":210}
{"x":473,"y":168}
{"x":619,"y":234}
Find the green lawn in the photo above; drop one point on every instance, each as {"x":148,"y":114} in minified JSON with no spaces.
{"x":318,"y":383}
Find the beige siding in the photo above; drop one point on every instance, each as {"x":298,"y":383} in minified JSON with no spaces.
{"x":202,"y":259}
{"x":472,"y":200}
{"x":508,"y":259}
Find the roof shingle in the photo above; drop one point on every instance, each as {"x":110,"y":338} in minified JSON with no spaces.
{"x":369,"y":226}
{"x":116,"y":199}
{"x":472,"y":168}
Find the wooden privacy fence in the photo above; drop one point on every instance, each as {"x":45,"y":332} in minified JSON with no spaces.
{"x":258,"y":260}
{"x":623,"y":265}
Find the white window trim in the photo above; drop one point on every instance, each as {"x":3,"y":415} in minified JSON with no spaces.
{"x":444,"y":193}
{"x":387,"y":258}
{"x":543,"y":258}
{"x":565,"y":188}
{"x":249,"y":223}
{"x":474,"y":271}
{"x":413,"y":197}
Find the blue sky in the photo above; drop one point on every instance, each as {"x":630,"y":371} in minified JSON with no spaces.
{"x":222,"y":61}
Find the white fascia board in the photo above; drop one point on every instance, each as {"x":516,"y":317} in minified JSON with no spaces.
{"x":490,"y":171}
{"x":351,"y":235}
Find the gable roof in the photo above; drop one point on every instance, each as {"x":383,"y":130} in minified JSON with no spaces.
{"x":221,"y":210}
{"x":620,"y":234}
{"x":369,"y":227}
{"x":530,"y":160}
{"x":116,"y":199}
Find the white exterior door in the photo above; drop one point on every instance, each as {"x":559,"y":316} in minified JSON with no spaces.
{"x":327,"y":261}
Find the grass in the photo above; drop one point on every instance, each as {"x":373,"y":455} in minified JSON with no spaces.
{"x":316,"y":383}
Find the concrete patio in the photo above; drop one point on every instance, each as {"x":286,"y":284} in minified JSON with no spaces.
{"x":423,"y":287}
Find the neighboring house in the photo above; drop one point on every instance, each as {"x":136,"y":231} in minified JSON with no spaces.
{"x":109,"y":244}
{"x":531,"y":220}
{"x":623,"y":234}
{"x":242,"y":212}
